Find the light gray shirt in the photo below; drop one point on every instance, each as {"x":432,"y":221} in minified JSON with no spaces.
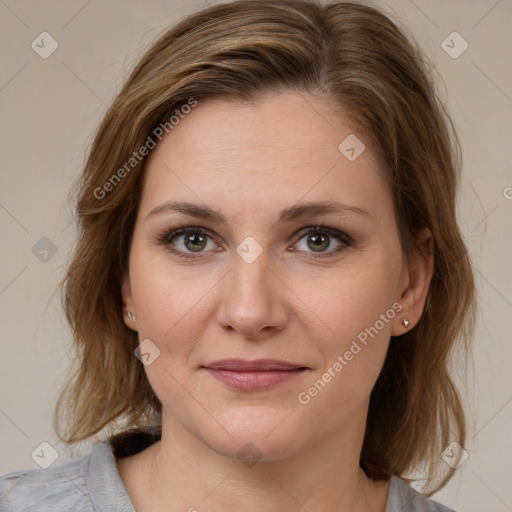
{"x":92,"y":483}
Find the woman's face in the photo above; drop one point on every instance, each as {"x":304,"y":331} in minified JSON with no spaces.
{"x":251,"y":280}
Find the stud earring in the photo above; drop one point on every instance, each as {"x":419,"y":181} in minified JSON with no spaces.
{"x":130,"y":314}
{"x":405,"y":323}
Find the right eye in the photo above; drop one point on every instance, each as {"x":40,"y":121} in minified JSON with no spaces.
{"x":187,"y":241}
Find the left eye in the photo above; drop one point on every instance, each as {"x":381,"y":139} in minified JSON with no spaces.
{"x":319,"y":238}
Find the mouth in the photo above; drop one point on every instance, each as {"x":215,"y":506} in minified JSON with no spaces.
{"x":254,"y":375}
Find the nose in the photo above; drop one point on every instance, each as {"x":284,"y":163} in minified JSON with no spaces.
{"x":253,"y":299}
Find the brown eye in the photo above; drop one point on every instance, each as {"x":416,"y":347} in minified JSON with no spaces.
{"x":187,"y":241}
{"x":318,"y":242}
{"x":195,"y":242}
{"x":318,"y":239}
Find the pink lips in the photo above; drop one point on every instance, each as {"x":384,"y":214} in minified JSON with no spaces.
{"x":253,"y":375}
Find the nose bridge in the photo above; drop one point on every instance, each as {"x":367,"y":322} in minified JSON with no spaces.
{"x":252,"y":299}
{"x":251,"y":277}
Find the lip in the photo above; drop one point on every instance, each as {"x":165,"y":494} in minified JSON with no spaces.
{"x":258,"y":365}
{"x":254,"y":375}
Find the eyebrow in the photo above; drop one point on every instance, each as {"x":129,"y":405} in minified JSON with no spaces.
{"x":291,"y":214}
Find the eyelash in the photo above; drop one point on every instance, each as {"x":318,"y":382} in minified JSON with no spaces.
{"x":346,"y":241}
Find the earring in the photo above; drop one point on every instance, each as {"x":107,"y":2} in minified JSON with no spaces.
{"x":130,"y":314}
{"x":405,"y":323}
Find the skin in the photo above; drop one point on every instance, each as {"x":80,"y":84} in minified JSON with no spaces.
{"x":249,"y":161}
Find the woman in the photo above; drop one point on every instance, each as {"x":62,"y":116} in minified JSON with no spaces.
{"x":269,"y":279}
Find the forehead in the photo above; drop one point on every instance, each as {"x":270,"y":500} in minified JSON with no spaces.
{"x":279,"y":149}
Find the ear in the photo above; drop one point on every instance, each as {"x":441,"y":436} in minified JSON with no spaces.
{"x":415,"y":282}
{"x":130,"y":320}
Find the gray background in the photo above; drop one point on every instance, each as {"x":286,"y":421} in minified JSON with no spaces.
{"x":49,"y":111}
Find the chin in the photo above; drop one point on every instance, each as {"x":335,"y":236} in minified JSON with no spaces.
{"x":255,"y":433}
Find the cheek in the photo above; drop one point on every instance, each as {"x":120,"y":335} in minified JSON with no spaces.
{"x":350,"y":324}
{"x":347,"y":302}
{"x":168,"y":301}
{"x":172,"y":303}
{"x":171,"y":306}
{"x":352,"y":350}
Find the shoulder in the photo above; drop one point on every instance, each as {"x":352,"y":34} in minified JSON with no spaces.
{"x":88,"y":483}
{"x":62,"y":487}
{"x":403,"y":497}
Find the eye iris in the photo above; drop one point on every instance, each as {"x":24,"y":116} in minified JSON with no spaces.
{"x":198,"y":242}
{"x":319,"y":240}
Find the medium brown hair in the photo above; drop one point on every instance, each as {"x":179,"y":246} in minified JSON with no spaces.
{"x":356,"y":56}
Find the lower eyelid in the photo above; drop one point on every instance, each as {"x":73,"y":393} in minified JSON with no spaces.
{"x":330,"y":252}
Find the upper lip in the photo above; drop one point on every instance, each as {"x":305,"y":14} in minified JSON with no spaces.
{"x":242,"y":365}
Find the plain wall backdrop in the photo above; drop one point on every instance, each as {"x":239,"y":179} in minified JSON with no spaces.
{"x":50,"y":108}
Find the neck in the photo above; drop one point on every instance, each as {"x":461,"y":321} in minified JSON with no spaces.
{"x":183,"y":471}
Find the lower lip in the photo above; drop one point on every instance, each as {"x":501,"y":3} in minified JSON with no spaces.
{"x":253,"y":381}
